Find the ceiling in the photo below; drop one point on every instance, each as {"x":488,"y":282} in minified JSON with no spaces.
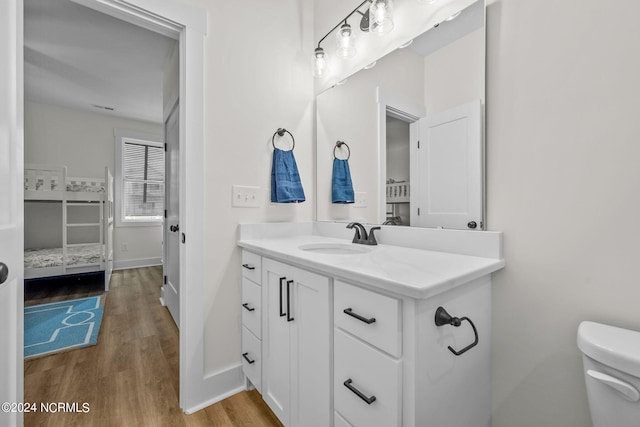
{"x":77,"y":57}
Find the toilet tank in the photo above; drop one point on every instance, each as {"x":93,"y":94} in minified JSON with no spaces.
{"x":611,"y":361}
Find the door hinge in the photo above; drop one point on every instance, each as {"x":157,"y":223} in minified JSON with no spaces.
{"x":165,"y":214}
{"x":418,"y":211}
{"x":184,"y":238}
{"x":165,"y":280}
{"x":418,"y":144}
{"x":165,"y":147}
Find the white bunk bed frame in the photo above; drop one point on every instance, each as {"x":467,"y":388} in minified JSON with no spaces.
{"x":50,"y":183}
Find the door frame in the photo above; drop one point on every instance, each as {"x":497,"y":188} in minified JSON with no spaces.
{"x":12,"y":134}
{"x":409,"y":112}
{"x":187,"y":24}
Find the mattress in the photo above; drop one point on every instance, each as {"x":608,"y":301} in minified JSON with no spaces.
{"x":90,"y":253}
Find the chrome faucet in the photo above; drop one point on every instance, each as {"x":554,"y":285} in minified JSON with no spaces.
{"x":361,"y":235}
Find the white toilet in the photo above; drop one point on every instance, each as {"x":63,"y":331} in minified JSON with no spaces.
{"x":611,"y":359}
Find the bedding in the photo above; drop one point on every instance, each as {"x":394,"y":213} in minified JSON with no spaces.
{"x":52,"y":257}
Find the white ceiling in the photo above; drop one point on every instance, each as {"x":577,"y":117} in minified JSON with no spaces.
{"x":77,"y":57}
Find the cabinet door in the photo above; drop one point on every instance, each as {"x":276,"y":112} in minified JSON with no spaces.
{"x":276,"y":350}
{"x":311,"y":346}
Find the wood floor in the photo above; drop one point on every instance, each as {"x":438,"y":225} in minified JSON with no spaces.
{"x":130,"y":378}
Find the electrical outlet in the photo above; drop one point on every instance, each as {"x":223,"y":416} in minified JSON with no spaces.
{"x":124,"y":247}
{"x":361,"y":199}
{"x":244,"y":196}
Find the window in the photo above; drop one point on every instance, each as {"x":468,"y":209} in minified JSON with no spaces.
{"x":139,"y":179}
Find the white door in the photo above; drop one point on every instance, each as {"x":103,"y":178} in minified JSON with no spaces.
{"x":450,"y":169}
{"x":311,"y":344}
{"x":171,"y":262}
{"x":276,"y":347}
{"x":11,"y":210}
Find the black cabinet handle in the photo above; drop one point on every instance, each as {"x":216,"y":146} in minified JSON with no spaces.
{"x":357,"y":316}
{"x":246,"y":305}
{"x":248,"y":267}
{"x":246,"y":357}
{"x":289,"y":318}
{"x":282,"y":279}
{"x":358,"y":393}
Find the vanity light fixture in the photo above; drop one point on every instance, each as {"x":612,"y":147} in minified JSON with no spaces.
{"x":380,"y":16}
{"x":320,"y":64}
{"x":346,"y":41}
{"x":376,"y":19}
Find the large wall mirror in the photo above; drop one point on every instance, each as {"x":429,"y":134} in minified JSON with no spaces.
{"x":413,"y":125}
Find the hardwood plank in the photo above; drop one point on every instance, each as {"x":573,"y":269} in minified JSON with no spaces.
{"x":131,"y":377}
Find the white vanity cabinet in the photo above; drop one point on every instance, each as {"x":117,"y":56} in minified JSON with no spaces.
{"x":252,"y":318}
{"x":296,"y":326}
{"x":352,"y":341}
{"x":367,"y":349}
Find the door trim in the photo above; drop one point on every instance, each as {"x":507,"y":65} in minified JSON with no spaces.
{"x":408,"y":112}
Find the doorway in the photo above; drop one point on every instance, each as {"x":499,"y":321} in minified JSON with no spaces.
{"x":175,"y":19}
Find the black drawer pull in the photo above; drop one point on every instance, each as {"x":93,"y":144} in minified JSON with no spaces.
{"x":358,"y":393}
{"x":248,"y":267}
{"x":247,"y":358}
{"x":289,"y":317}
{"x":282,"y":313}
{"x":357,"y":316}
{"x":246,"y":305}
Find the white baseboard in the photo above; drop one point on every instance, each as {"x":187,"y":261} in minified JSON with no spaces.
{"x":136,"y":263}
{"x":219,"y":386}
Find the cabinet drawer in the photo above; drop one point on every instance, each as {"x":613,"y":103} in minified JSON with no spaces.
{"x":252,"y":266}
{"x":385,"y":332}
{"x":338,"y":421}
{"x":252,"y":351}
{"x":372,"y":373}
{"x":252,"y":307}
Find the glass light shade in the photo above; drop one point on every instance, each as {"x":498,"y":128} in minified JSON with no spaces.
{"x":380,"y":16}
{"x":346,"y":41}
{"x":320,"y":63}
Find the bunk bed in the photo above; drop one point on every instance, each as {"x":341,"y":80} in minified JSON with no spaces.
{"x":83,"y":242}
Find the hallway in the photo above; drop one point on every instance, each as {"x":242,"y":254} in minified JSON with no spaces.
{"x":131,"y":376}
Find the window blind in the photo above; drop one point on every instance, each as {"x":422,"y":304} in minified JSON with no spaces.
{"x":143,"y":176}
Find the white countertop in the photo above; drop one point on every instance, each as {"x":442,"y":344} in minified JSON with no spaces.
{"x":415,"y":273}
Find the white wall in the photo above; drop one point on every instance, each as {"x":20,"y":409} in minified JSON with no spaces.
{"x":257,"y":79}
{"x":563,"y":180}
{"x":454,"y":75}
{"x":171,"y":77}
{"x":84,"y":142}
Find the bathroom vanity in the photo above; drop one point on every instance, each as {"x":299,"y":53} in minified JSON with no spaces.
{"x":341,"y":334}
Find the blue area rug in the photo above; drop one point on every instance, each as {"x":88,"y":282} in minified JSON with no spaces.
{"x":63,"y":325}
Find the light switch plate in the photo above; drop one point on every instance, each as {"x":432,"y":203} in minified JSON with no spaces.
{"x":244,"y":196}
{"x":361,"y":199}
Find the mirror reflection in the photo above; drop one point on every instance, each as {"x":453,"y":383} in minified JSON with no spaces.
{"x":413,"y":125}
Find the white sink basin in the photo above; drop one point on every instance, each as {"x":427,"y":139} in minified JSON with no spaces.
{"x":335,"y":248}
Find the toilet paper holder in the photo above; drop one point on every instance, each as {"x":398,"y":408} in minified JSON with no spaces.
{"x":443,"y":318}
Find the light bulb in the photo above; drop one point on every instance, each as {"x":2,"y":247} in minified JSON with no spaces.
{"x":380,"y":20}
{"x":320,"y":63}
{"x":346,"y":41}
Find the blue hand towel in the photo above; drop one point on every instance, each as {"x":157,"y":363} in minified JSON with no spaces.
{"x":286,"y":186}
{"x":341,"y":186}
